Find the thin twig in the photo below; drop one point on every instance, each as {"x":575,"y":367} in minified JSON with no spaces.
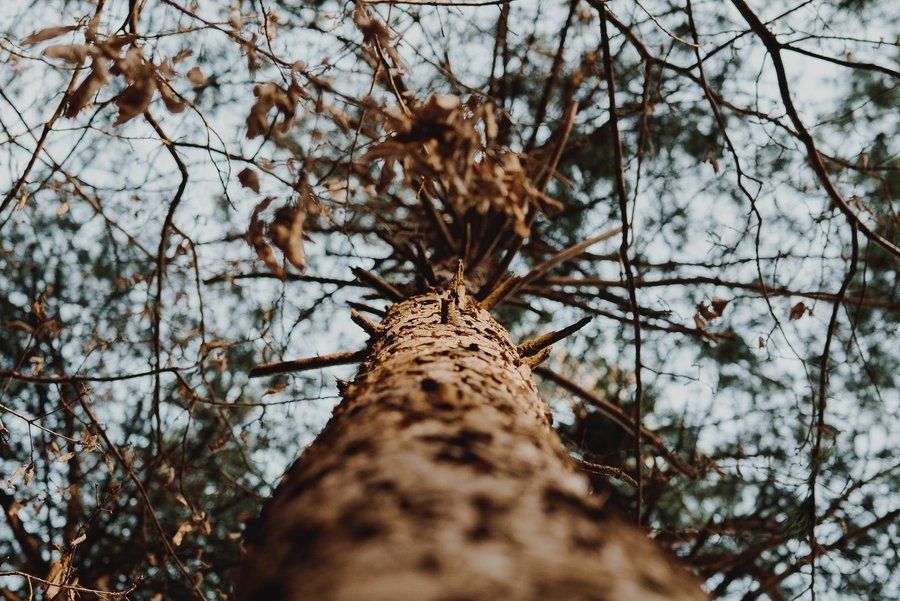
{"x":626,"y":262}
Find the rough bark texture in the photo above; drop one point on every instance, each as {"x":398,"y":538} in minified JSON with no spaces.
{"x":439,"y":477}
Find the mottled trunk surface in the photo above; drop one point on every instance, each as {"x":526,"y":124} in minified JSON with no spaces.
{"x":439,"y":477}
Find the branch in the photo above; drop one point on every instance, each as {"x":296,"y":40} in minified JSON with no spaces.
{"x":773,"y":47}
{"x":619,"y":417}
{"x":161,"y":270}
{"x":192,"y":583}
{"x":605,"y":470}
{"x":364,"y":308}
{"x":370,"y":326}
{"x":15,"y":375}
{"x":387,"y":290}
{"x":877,"y":303}
{"x":795,"y":567}
{"x":290,"y":277}
{"x":532,"y":347}
{"x":512,"y":284}
{"x":280,"y":367}
{"x":842,"y":62}
{"x":30,"y":544}
{"x":623,"y":253}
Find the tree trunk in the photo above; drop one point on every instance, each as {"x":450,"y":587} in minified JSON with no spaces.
{"x":439,"y":477}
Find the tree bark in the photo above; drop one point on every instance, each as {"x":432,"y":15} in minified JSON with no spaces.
{"x":439,"y":477}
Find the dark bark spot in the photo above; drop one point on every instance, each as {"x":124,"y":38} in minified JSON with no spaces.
{"x":429,"y":563}
{"x":365,"y":530}
{"x":482,"y":503}
{"x":366,"y":473}
{"x":461,"y":456}
{"x":420,"y":508}
{"x":460,"y":448}
{"x":479,"y":532}
{"x":583,"y":541}
{"x":485,"y":508}
{"x":464,"y":438}
{"x":411,"y":417}
{"x":385,"y":485}
{"x":358,"y":446}
{"x":303,"y":539}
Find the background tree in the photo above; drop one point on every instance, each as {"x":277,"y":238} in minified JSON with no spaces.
{"x":133,"y":307}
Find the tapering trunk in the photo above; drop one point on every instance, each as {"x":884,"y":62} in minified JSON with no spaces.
{"x":439,"y":477}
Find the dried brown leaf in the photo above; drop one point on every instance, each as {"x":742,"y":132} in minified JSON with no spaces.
{"x":142,"y":76}
{"x":705,"y":312}
{"x":135,"y":99}
{"x":88,"y":88}
{"x":173,"y":103}
{"x":256,"y":237}
{"x":65,"y":457}
{"x":798,"y":311}
{"x":718,"y":305}
{"x":698,"y":321}
{"x":48,"y":33}
{"x":57,"y":575}
{"x":181,"y":56}
{"x":196,"y":77}
{"x":249,"y":179}
{"x":286,"y":233}
{"x":269,"y":95}
{"x":71,"y":53}
{"x":183,"y":529}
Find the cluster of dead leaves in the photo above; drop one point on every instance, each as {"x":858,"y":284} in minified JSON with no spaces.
{"x":268,"y":96}
{"x":449,"y":148}
{"x":376,"y":34}
{"x":707,"y":313}
{"x":284,"y":230}
{"x":41,"y":326}
{"x":116,"y":55}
